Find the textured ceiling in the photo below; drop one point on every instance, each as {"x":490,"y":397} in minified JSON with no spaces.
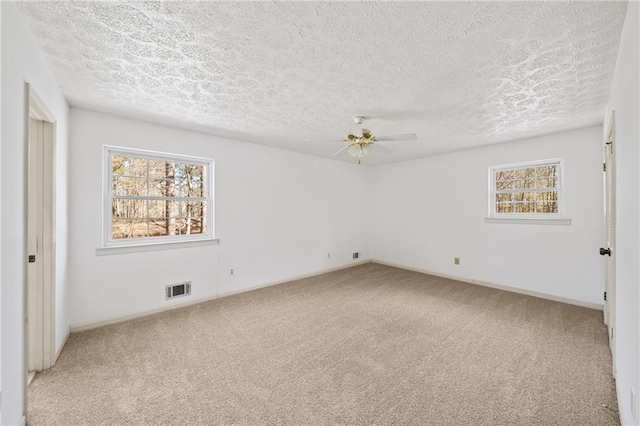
{"x":459,"y":74}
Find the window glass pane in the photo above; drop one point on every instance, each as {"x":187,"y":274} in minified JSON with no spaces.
{"x":550,"y":207}
{"x":198,"y":179}
{"x":194,"y":209}
{"x":198,"y":225}
{"x":129,"y":185}
{"x":524,"y":173}
{"x":159,"y":169}
{"x":179,"y":170}
{"x":518,"y":184}
{"x":545,"y":196}
{"x":193,"y":181}
{"x":173,"y":209}
{"x":195,"y":187}
{"x":157,"y":227}
{"x":189,"y":226}
{"x":162,"y":188}
{"x":124,"y":228}
{"x":504,"y":207}
{"x":180,"y":226}
{"x":524,"y":207}
{"x":157,"y":209}
{"x":547,"y":171}
{"x":505,"y":184}
{"x":502,"y":198}
{"x":182,"y":188}
{"x":164,"y":227}
{"x":129,"y":209}
{"x":160,"y":209}
{"x":171,"y":226}
{"x":542,"y":183}
{"x":129,"y":166}
{"x":504,"y":175}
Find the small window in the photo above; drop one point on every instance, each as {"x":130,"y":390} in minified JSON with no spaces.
{"x":531,"y":189}
{"x":153,"y":197}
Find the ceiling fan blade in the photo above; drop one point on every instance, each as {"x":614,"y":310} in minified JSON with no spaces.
{"x":381,"y":149}
{"x":336,"y":140}
{"x":341,"y":149}
{"x":402,"y":137}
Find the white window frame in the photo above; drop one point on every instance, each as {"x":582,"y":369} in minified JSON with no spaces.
{"x":533,"y":216}
{"x":107,"y":214}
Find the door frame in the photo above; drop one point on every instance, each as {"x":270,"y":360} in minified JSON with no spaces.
{"x":36,"y":108}
{"x":609,"y":178}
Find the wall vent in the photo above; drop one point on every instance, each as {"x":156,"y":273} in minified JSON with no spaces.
{"x":178,"y":290}
{"x":356,"y":255}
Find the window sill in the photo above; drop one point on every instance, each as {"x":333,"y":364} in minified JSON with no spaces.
{"x":529,"y":221}
{"x":134,"y":248}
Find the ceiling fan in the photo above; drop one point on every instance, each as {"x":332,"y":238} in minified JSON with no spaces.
{"x":359,"y":143}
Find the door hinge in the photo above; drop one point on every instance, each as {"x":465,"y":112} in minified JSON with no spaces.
{"x":604,"y":167}
{"x":605,"y":295}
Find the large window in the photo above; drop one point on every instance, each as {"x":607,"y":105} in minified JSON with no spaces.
{"x":531,"y":189}
{"x":155,"y":197}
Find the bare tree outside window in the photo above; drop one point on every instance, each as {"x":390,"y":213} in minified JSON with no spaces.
{"x":153,"y":197}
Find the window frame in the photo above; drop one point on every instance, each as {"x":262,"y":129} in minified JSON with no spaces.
{"x":559,"y":188}
{"x":108,"y":151}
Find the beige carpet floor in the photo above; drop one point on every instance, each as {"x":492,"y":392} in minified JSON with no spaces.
{"x":366,"y":345}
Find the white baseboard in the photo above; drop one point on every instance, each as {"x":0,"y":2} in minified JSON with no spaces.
{"x":23,"y":421}
{"x":299,"y":277}
{"x":114,"y":320}
{"x":496,"y":286}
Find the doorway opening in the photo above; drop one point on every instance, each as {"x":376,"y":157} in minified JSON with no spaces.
{"x":40,"y":257}
{"x":609,"y":251}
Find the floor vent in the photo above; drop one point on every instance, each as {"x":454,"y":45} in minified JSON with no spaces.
{"x":178,"y":290}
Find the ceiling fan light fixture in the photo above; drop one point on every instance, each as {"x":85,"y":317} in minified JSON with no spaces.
{"x":357,"y":151}
{"x":358,"y":140}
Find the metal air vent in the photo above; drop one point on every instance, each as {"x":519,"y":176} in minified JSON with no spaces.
{"x":178,"y":290}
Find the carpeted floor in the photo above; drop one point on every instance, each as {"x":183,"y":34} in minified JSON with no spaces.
{"x":366,"y":345}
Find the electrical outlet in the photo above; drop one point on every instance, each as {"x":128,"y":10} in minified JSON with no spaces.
{"x":499,"y":268}
{"x":356,"y":255}
{"x":328,"y":255}
{"x":456,"y":260}
{"x":231,"y":272}
{"x":633,"y":404}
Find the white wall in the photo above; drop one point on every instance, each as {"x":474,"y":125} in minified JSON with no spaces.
{"x":22,"y":62}
{"x":427,"y":211}
{"x":0,"y":229}
{"x":625,"y":101}
{"x":278,"y":215}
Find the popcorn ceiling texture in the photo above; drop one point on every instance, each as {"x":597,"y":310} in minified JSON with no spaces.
{"x":459,"y":74}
